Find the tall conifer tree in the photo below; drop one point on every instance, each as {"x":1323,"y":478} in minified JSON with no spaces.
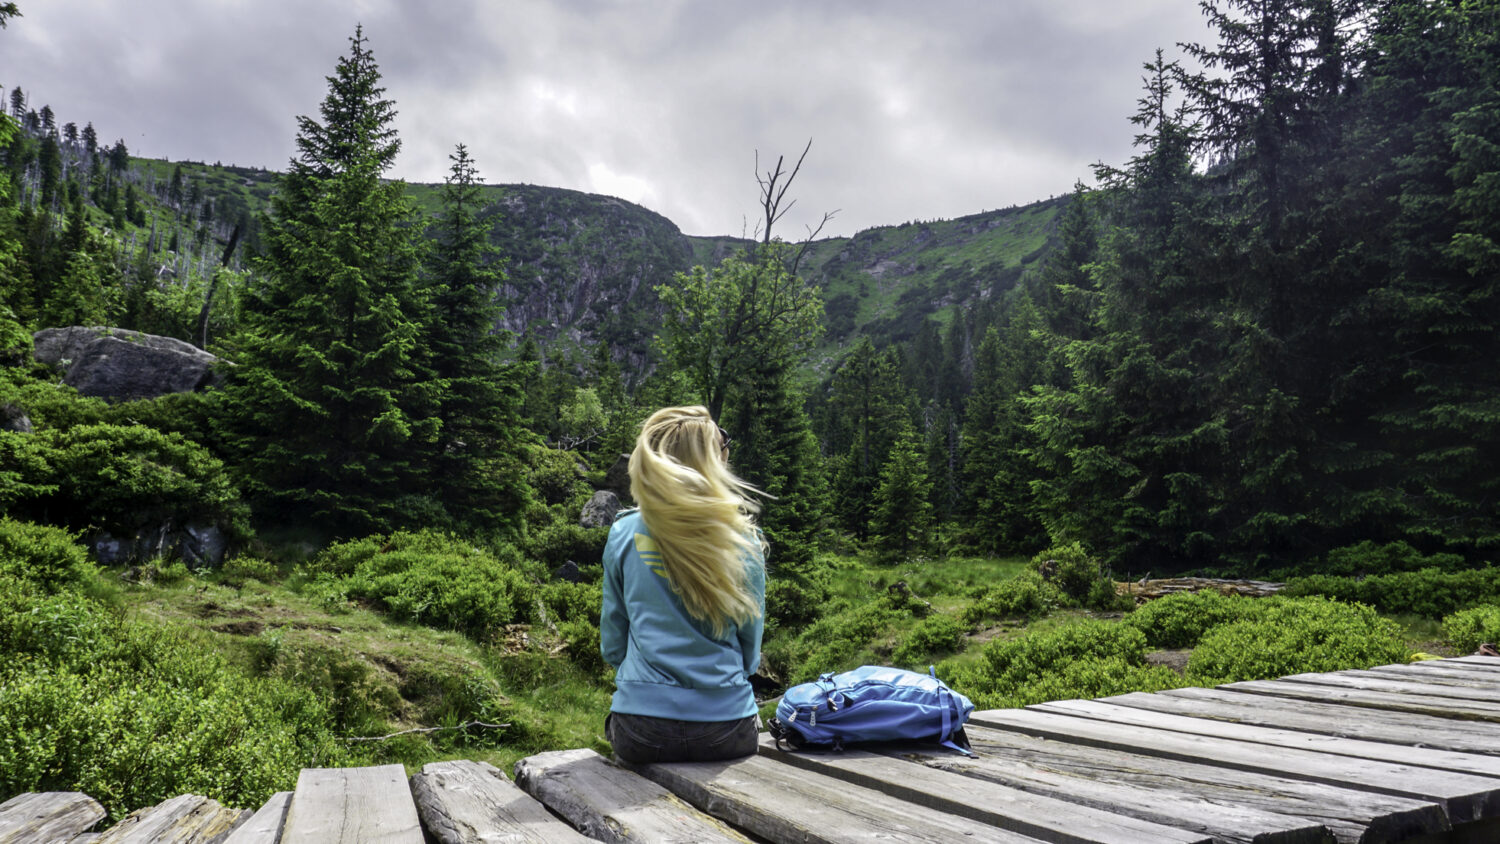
{"x":330,"y":407}
{"x":477,"y":465}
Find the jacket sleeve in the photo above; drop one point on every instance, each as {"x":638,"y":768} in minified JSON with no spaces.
{"x":750,"y":632}
{"x":614,"y":623}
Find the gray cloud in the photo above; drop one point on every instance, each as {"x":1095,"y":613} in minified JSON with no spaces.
{"x":916,"y":111}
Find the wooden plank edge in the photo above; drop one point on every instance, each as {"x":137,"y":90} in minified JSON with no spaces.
{"x":1043,"y":832}
{"x":1463,"y":797}
{"x":59,"y":815}
{"x":514,"y":815}
{"x":264,"y":827}
{"x":831,"y":810}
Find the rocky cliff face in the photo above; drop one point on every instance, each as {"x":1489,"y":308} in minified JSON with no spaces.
{"x":584,"y":267}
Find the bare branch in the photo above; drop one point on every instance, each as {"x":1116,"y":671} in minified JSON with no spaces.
{"x":772,"y":194}
{"x":812,"y":234}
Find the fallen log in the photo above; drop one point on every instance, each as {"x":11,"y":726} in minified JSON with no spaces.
{"x":1145,"y":590}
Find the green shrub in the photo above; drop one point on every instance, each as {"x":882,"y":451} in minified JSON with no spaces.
{"x":1180,"y":620}
{"x":798,"y":600}
{"x":559,"y":542}
{"x":574,"y":609}
{"x":49,"y":404}
{"x":832,"y":642}
{"x":558,"y":477}
{"x":581,"y":639}
{"x":1083,"y":580}
{"x":936,"y":634}
{"x":1027,"y":595}
{"x":1431,"y":592}
{"x":188,"y":414}
{"x":1369,"y":557}
{"x":1295,"y":636}
{"x":433,"y":579}
{"x":1467,"y":629}
{"x":48,"y":557}
{"x":132,"y":714}
{"x":117,"y":478}
{"x":565,"y":601}
{"x":238,"y":570}
{"x":1086,"y":659}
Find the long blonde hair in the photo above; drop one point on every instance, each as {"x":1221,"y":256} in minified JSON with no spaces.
{"x":698,"y":512}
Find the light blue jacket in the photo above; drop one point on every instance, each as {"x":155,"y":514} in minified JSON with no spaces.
{"x":667,"y":663}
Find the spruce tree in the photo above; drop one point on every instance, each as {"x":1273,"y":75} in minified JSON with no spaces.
{"x":902,"y":518}
{"x":330,"y":407}
{"x":477,"y":456}
{"x":867,"y":410}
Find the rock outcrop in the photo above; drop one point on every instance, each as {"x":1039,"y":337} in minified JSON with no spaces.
{"x":118,"y":364}
{"x":601,"y":510}
{"x":13,"y":418}
{"x":199,"y":546}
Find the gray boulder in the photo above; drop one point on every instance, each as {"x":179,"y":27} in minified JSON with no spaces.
{"x":14,"y":418}
{"x":601,"y":510}
{"x":118,"y":364}
{"x":199,"y":546}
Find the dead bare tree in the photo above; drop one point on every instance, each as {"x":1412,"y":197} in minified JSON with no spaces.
{"x":773,"y":187}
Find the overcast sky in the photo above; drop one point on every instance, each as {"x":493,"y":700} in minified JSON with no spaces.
{"x":916,"y":110}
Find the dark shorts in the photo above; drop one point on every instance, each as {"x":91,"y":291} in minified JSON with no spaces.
{"x":642,"y":738}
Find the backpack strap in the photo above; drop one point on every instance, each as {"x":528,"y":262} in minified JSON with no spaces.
{"x":953,"y":739}
{"x":833,"y":688}
{"x":782,"y":733}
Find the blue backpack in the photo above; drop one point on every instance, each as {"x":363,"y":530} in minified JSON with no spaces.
{"x":872,"y":703}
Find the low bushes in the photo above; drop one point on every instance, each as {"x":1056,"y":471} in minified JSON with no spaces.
{"x":1467,"y":629}
{"x":1430,"y":592}
{"x":47,"y":558}
{"x":1293,"y":636}
{"x":1085,"y":659}
{"x":130,"y":712}
{"x":937,"y":634}
{"x":1374,"y":558}
{"x":1180,"y":620}
{"x":118,"y":478}
{"x":833,"y":642}
{"x":433,"y":579}
{"x":1027,"y":595}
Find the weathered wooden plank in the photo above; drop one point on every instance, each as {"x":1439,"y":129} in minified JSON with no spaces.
{"x":1040,"y":816}
{"x":264,"y":827}
{"x":778,"y":802}
{"x":186,"y":819}
{"x":1464,"y":797}
{"x":1318,"y":718}
{"x":47,"y":817}
{"x":607,"y":802}
{"x":1375,"y":683}
{"x":1482,"y":661}
{"x":1167,"y":791}
{"x":1477,"y":677}
{"x":1470,"y":710}
{"x":352,"y":806}
{"x":1452,"y":664}
{"x":464,"y":802}
{"x":1408,"y":754}
{"x":86,"y":838}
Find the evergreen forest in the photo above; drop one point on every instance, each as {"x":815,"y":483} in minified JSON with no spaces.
{"x":1264,"y":346}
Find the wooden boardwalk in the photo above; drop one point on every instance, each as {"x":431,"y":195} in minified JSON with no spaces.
{"x":1396,"y":753}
